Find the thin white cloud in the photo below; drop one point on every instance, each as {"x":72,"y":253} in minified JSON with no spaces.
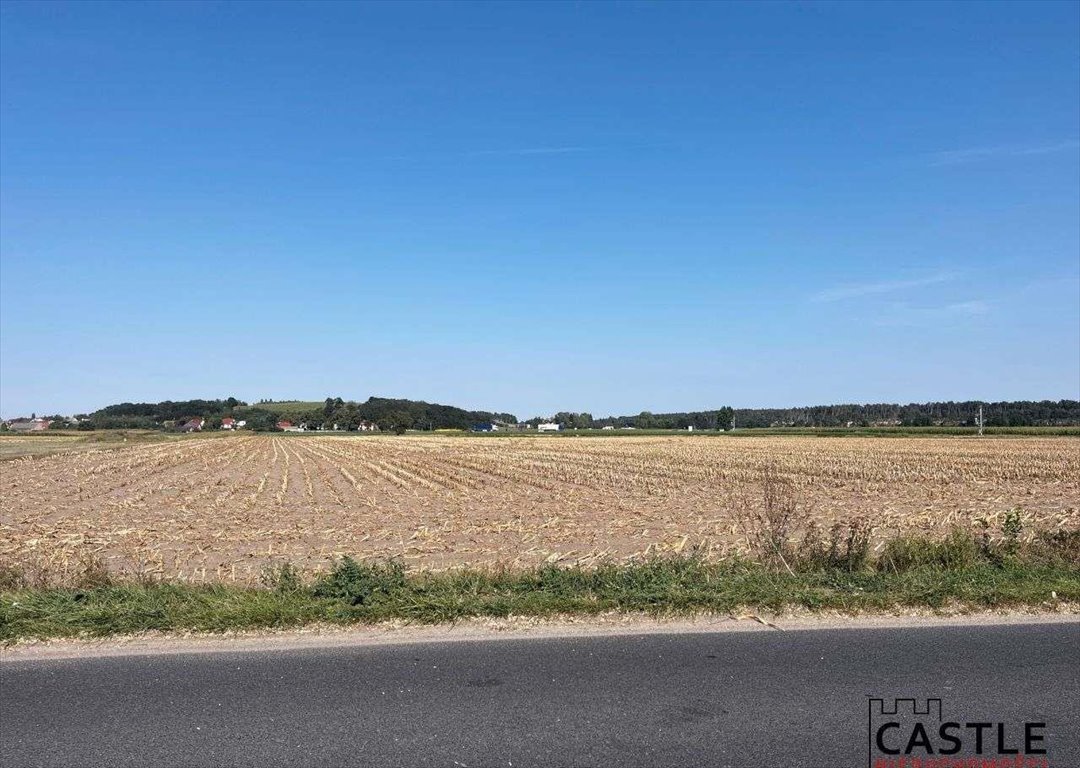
{"x":903,"y":314}
{"x":855,"y":290}
{"x":975,"y":154}
{"x":976,"y":307}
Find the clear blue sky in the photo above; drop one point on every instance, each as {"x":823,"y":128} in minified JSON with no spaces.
{"x":581,"y":206}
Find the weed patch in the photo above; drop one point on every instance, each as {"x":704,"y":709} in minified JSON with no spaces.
{"x":838,"y":574}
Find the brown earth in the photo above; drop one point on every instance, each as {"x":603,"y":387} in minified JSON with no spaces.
{"x":225,"y":508}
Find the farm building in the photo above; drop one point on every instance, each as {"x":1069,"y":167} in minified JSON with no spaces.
{"x":192,"y":425}
{"x":228,"y":423}
{"x":28,"y":425}
{"x":367,"y":426}
{"x":485,"y":427}
{"x":549,"y":427}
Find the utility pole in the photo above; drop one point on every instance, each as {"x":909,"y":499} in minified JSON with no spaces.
{"x":980,"y":422}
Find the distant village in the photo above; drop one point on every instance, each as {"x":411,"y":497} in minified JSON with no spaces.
{"x":229,"y":423}
{"x":524,"y":426}
{"x":199,"y":424}
{"x":34,"y":424}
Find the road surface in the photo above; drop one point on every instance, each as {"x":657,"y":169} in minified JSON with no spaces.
{"x":763,"y":699}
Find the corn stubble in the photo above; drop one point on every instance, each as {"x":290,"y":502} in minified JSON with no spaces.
{"x":225,"y":509}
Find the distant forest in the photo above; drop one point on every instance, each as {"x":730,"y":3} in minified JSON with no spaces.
{"x":1019,"y":413}
{"x":398,"y":415}
{"x":388,"y":414}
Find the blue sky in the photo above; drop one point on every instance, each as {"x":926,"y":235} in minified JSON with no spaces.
{"x":539,"y":207}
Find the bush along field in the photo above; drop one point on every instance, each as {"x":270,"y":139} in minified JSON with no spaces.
{"x":793,"y":565}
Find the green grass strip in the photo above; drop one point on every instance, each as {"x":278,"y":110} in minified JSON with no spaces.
{"x":356,"y":593}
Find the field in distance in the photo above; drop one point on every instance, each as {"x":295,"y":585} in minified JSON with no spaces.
{"x":14,"y":445}
{"x":224,"y":508}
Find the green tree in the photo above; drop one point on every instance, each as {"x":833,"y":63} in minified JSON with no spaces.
{"x":725,"y":418}
{"x":917,"y":419}
{"x":396,"y":421}
{"x":261,"y":421}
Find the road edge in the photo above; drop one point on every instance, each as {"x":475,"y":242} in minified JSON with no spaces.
{"x":513,"y":628}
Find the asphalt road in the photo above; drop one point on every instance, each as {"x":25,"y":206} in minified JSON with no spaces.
{"x":762,"y":699}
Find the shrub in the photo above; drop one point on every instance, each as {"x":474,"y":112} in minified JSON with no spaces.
{"x":92,"y":572}
{"x":770,"y":527}
{"x":847,"y":547}
{"x":1011,"y":528}
{"x":1057,"y":548}
{"x":957,"y":551}
{"x":283,"y":579}
{"x":357,"y":583}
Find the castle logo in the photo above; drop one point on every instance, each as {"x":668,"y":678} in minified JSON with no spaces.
{"x":913,"y":733}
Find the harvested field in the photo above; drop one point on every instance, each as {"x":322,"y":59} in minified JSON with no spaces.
{"x":17,"y":446}
{"x":206,"y":509}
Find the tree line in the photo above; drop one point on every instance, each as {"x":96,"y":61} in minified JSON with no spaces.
{"x":1018,"y":413}
{"x":399,"y":414}
{"x":157,"y":415}
{"x":388,"y":414}
{"x":721,"y":419}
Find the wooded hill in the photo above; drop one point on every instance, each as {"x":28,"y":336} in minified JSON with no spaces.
{"x":387,"y":413}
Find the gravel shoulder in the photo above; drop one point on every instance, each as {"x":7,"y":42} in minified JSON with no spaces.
{"x":515,"y":628}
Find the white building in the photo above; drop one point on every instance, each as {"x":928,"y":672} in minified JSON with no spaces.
{"x":549,"y":427}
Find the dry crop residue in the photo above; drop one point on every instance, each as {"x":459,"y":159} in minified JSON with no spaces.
{"x":225,"y":508}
